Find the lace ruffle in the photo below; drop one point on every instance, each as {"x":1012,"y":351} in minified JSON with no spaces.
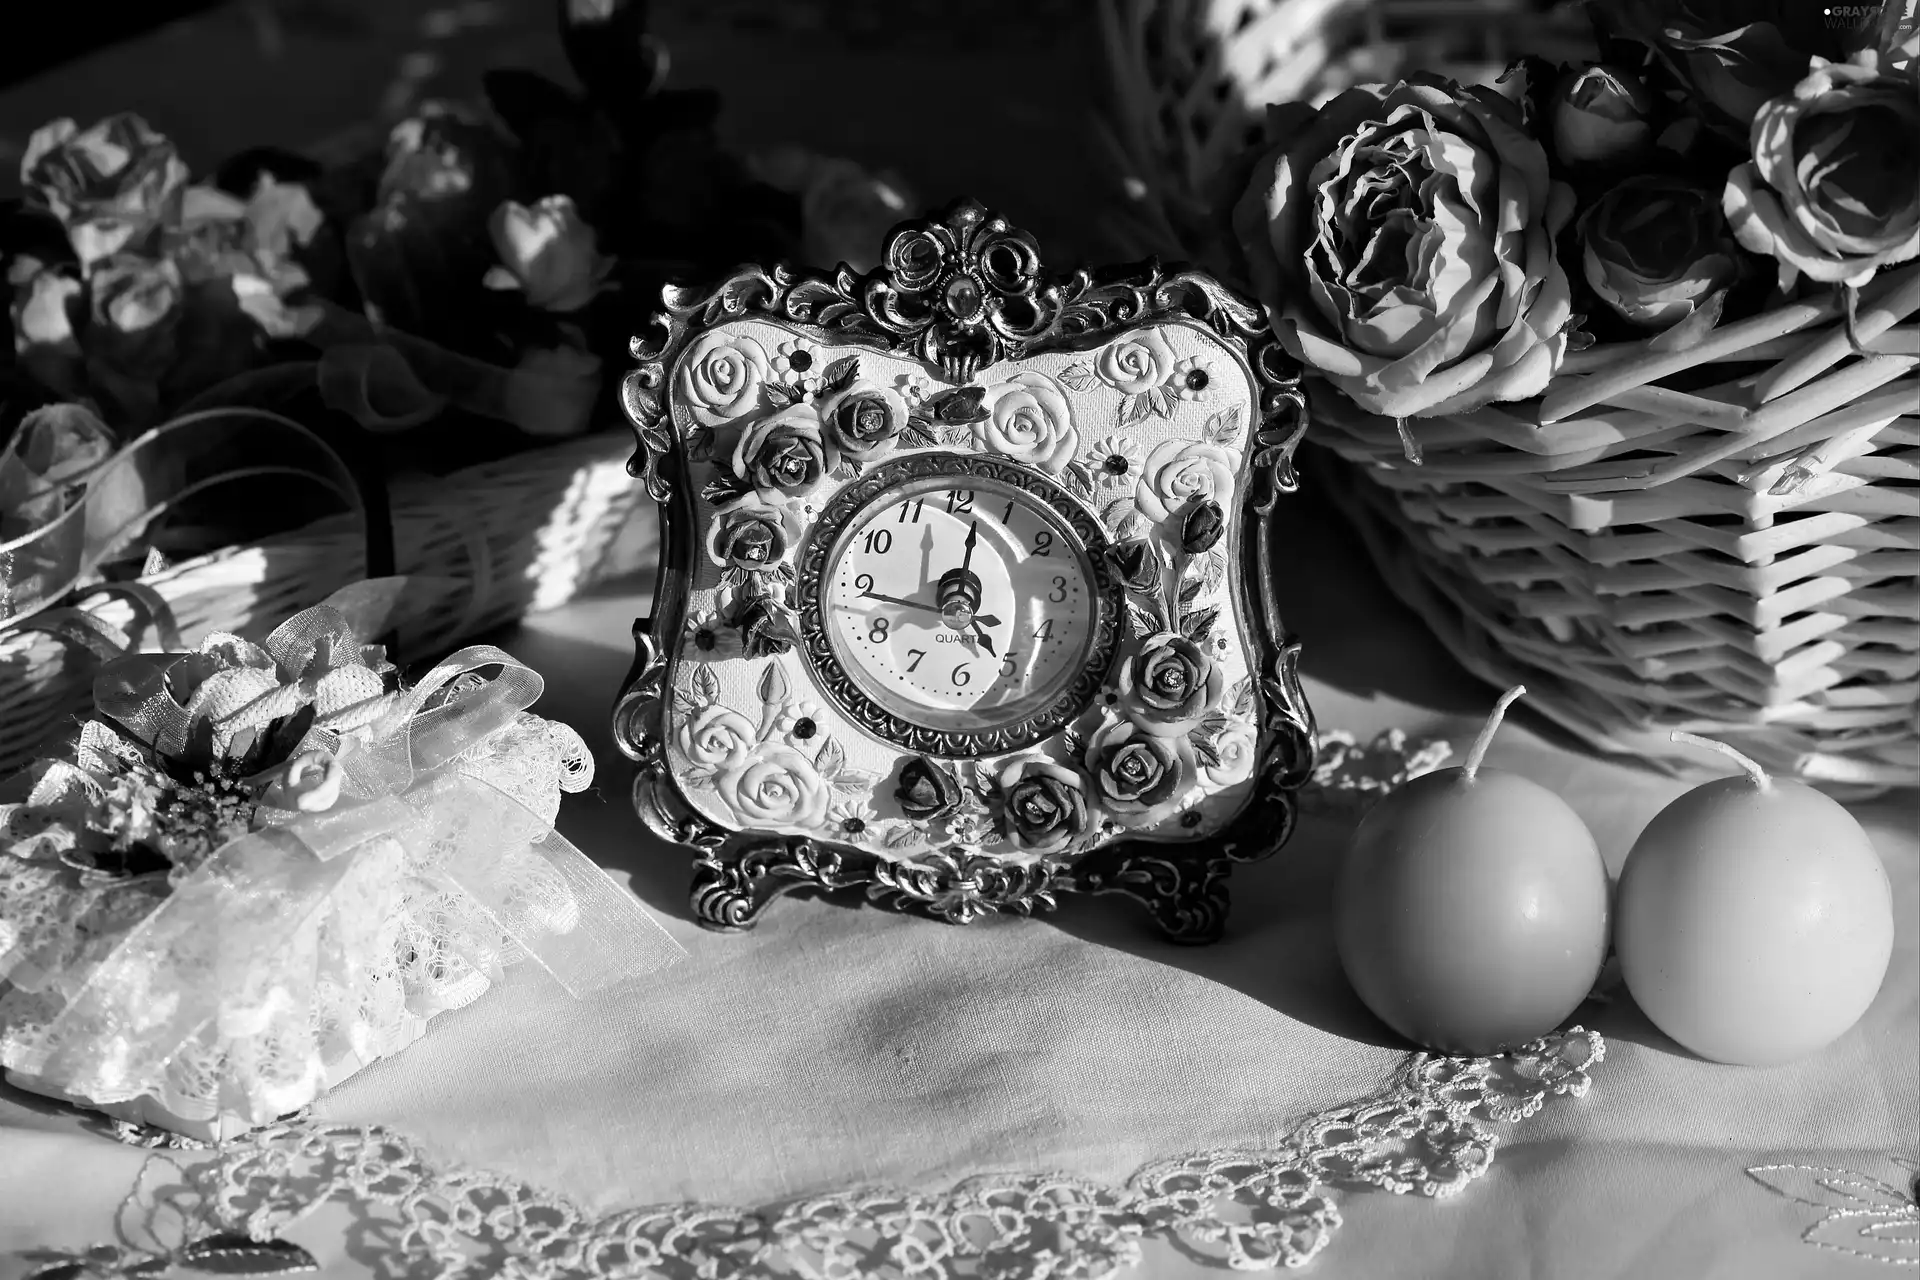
{"x":1431,"y":1132}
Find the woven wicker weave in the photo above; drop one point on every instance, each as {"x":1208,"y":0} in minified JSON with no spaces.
{"x":1191,"y":79}
{"x":518,"y":535}
{"x":1740,"y":558}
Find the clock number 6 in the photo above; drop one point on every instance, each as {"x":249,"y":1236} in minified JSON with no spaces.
{"x":961,"y":675}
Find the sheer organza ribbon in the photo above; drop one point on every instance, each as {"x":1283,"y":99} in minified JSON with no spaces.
{"x":221,"y":949}
{"x":107,"y":507}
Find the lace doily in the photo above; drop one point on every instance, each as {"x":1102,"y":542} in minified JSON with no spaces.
{"x":1431,"y":1132}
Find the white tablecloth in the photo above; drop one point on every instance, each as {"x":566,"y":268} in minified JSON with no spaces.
{"x":840,"y":1046}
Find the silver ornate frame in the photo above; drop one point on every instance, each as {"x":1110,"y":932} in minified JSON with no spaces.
{"x":960,"y":291}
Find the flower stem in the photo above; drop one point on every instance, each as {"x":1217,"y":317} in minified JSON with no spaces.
{"x":1760,"y":779}
{"x":1408,"y":445}
{"x":1478,"y":752}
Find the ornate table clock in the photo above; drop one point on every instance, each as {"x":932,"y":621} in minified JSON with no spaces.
{"x":965,"y":584}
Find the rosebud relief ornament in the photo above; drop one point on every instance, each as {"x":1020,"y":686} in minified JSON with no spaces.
{"x":964,"y":600}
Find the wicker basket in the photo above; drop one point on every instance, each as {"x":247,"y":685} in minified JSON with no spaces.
{"x":1192,"y":78}
{"x":509,"y":537}
{"x":1724,"y":539}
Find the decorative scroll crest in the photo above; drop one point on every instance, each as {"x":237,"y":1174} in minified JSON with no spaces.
{"x":960,"y":291}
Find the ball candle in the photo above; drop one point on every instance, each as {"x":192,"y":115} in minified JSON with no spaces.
{"x":1471,"y":912}
{"x":1755,"y":920}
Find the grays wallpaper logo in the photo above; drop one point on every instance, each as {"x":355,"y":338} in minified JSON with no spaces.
{"x":1850,"y":16}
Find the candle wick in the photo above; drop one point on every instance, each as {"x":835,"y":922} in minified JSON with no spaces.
{"x":1753,"y":770}
{"x":1478,"y":751}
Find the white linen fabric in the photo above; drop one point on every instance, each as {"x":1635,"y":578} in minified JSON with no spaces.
{"x":839,"y":1046}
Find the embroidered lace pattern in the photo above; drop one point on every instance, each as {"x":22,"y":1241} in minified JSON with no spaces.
{"x":1431,"y":1132}
{"x":1861,"y":1216}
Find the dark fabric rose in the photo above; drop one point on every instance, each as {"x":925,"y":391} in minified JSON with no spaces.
{"x":136,"y":312}
{"x":1833,"y":189}
{"x":1655,"y":248}
{"x":420,"y":254}
{"x":1140,"y":777}
{"x":783,"y":452}
{"x":1046,"y":804}
{"x":926,"y":791}
{"x":1402,"y":238}
{"x":753,"y":534}
{"x":753,"y":543}
{"x":864,"y":419}
{"x":113,"y":186}
{"x":1169,"y":686}
{"x":1732,"y":56}
{"x":1600,"y":117}
{"x":767,"y":627}
{"x":444,"y":151}
{"x":1137,"y":565}
{"x":1202,"y":527}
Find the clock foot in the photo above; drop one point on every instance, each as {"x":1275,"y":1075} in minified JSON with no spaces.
{"x":1186,"y":896}
{"x":731,"y":891}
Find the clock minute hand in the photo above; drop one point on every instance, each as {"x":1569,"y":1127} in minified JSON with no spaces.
{"x":909,"y":604}
{"x":988,"y":619}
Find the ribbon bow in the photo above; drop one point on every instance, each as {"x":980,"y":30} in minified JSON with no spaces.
{"x":242,"y":943}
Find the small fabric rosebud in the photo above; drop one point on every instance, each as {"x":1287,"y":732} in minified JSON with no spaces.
{"x":926,"y":791}
{"x":549,"y":252}
{"x":551,"y":393}
{"x":1201,"y":529}
{"x":1138,"y":567}
{"x":768,"y":628}
{"x":1600,"y":117}
{"x":46,"y":301}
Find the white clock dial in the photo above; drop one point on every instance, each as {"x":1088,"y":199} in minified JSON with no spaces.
{"x":960,"y":604}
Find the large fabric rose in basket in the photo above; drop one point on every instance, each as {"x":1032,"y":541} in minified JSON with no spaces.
{"x":1402,"y":239}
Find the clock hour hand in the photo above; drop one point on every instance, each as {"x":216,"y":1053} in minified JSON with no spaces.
{"x":980,"y":633}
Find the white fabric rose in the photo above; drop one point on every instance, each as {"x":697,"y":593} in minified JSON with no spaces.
{"x":548,"y":251}
{"x":719,"y":377}
{"x":1136,"y":363}
{"x":1238,"y":749}
{"x":775,"y":786}
{"x":1178,"y":473}
{"x":1028,"y":420}
{"x":714,"y":736}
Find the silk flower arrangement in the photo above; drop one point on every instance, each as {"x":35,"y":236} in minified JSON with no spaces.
{"x":1430,"y":248}
{"x":265,"y":866}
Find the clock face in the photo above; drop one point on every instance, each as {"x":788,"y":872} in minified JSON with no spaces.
{"x":960,"y":603}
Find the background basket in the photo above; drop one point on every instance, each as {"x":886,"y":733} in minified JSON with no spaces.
{"x":1192,"y":79}
{"x":520,"y":534}
{"x":1724,"y":540}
